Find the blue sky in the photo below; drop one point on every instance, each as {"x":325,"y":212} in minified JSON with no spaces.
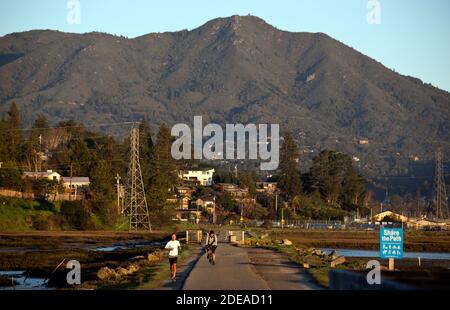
{"x":413,"y":37}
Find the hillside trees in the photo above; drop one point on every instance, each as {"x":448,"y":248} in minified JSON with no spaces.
{"x":333,"y":176}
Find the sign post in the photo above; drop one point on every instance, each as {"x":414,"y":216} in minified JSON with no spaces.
{"x":391,"y":244}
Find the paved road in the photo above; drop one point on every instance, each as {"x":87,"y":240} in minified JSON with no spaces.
{"x":232,"y":271}
{"x":248,"y":269}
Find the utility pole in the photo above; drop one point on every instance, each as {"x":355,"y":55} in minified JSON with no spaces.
{"x":440,"y":195}
{"x":118,"y":193}
{"x":276,"y":201}
{"x":276,"y":205}
{"x":214,"y":210}
{"x":70,"y":183}
{"x":136,"y":205}
{"x":236,"y":171}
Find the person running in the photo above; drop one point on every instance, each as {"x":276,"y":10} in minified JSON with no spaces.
{"x":173,"y":246}
{"x":211,"y":246}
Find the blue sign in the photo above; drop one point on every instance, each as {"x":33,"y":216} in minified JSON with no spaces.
{"x":391,"y":243}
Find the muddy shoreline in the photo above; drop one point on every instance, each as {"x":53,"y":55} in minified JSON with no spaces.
{"x":37,"y":254}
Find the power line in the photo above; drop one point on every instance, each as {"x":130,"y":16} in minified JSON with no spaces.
{"x":66,"y":164}
{"x":72,"y":127}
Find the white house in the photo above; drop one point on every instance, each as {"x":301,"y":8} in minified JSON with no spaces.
{"x":364,"y":141}
{"x":75,"y":182}
{"x":49,"y":175}
{"x":198,"y":176}
{"x":266,"y":187}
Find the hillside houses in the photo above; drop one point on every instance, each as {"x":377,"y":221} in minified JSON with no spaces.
{"x":71,"y":185}
{"x":207,"y":203}
{"x":196,"y":197}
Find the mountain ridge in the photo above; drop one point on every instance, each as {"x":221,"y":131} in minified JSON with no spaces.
{"x":235,"y":69}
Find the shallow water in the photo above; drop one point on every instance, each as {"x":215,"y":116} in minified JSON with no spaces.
{"x":127,"y":246}
{"x":22,"y":282}
{"x":374,"y":253}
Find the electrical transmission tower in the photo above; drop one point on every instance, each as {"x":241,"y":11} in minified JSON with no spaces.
{"x":440,"y":196}
{"x":135,"y":206}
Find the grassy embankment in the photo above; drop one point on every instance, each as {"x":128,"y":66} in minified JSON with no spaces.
{"x":24,"y":215}
{"x":149,"y":277}
{"x":415,"y":241}
{"x":318,"y":267}
{"x":18,"y":214}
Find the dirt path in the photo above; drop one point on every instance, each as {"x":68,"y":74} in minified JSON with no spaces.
{"x":279,"y":272}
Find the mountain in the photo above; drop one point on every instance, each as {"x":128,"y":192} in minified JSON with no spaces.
{"x":236,"y":69}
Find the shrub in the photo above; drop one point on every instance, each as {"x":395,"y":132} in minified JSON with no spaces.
{"x":77,"y":214}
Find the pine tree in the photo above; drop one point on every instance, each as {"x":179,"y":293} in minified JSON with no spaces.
{"x":10,"y":176}
{"x":162,"y":160}
{"x":146,"y":151}
{"x":145,"y":138}
{"x":80,"y":158}
{"x":289,"y":178}
{"x":247,"y":180}
{"x":101,"y":184}
{"x":327,"y":173}
{"x":3,"y":137}
{"x":14,"y":136}
{"x":163,"y":177}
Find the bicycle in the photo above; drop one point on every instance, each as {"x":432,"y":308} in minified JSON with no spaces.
{"x":210,"y":255}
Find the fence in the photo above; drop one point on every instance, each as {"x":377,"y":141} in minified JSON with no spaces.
{"x":195,"y":236}
{"x":236,"y":236}
{"x":50,"y":197}
{"x":16,"y":194}
{"x":312,"y":224}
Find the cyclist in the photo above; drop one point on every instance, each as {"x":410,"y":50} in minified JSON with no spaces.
{"x":211,"y":246}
